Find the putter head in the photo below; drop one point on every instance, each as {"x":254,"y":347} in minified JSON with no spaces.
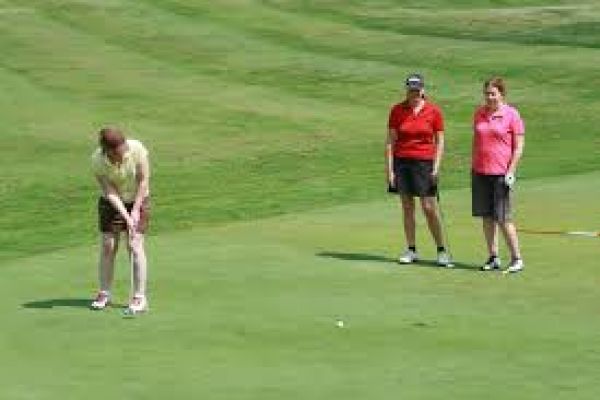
{"x":128,"y":313}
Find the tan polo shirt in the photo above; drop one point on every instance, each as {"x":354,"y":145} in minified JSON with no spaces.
{"x":122,"y":176}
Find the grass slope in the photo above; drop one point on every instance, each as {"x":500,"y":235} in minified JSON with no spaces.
{"x":248,"y":311}
{"x":259,"y":108}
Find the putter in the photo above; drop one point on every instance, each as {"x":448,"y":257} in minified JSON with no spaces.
{"x":444,"y":226}
{"x":128,"y":312}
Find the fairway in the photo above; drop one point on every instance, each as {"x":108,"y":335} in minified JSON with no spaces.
{"x":265,"y":121}
{"x":249,"y":311}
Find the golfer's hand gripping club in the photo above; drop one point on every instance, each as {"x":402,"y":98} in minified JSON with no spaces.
{"x":135,"y":216}
{"x":131,"y":226}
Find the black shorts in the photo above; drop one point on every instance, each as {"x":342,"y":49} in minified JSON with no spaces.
{"x":491,"y":198}
{"x":110,"y":221}
{"x":413,"y":177}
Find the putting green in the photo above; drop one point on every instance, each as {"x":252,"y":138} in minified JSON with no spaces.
{"x":249,"y":310}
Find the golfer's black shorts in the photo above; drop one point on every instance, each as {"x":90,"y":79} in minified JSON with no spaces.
{"x":491,"y":198}
{"x":413,"y":177}
{"x":110,"y":221}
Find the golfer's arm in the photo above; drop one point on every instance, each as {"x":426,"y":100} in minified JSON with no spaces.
{"x":439,"y":151}
{"x":143,"y":183}
{"x":389,"y":151}
{"x":517,"y":153}
{"x":111,"y":194}
{"x":473,"y":144}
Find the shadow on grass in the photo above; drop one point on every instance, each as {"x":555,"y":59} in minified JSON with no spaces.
{"x":385,"y":259}
{"x":356,"y":256}
{"x":52,"y":303}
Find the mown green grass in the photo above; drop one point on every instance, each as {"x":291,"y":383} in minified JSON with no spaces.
{"x":265,"y":121}
{"x":248,"y":311}
{"x":257,"y":108}
{"x":569,"y":23}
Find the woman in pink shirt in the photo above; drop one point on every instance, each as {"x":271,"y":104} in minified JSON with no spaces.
{"x":497,"y":148}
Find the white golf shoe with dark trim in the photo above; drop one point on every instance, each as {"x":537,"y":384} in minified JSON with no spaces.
{"x":515,"y":266}
{"x":137,"y":305}
{"x":493,"y":263}
{"x":408,"y":257}
{"x":444,"y":259}
{"x":102,"y":300}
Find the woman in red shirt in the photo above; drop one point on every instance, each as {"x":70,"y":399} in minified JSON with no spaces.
{"x":414,"y":149}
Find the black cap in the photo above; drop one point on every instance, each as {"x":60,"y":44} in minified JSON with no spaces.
{"x":415,"y":82}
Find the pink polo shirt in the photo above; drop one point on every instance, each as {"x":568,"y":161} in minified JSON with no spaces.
{"x":494,"y":139}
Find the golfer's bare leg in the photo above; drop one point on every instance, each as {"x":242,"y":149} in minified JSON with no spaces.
{"x":408,"y":214}
{"x":490,"y":232}
{"x":140,"y":265}
{"x":106,"y":268}
{"x":512,"y":240}
{"x":430,"y":210}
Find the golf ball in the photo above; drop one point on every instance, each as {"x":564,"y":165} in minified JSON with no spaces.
{"x":339,"y":323}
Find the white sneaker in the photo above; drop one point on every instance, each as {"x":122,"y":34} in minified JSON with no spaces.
{"x":444,"y":259}
{"x":137,"y":305}
{"x":516,"y":265}
{"x":408,"y":257}
{"x":491,"y":264}
{"x":102,"y":300}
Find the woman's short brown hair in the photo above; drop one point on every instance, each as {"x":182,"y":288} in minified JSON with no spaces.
{"x":496,"y":82}
{"x":110,"y":139}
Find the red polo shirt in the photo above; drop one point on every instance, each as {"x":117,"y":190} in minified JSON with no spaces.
{"x":416,"y":134}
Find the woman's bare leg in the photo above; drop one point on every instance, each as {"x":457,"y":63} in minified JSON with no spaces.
{"x":408,"y":214}
{"x":512,"y":240}
{"x":490,"y":232}
{"x":106,"y":268}
{"x":430,"y":210}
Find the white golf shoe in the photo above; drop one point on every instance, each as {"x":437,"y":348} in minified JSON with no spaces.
{"x":137,"y":305}
{"x":102,"y":300}
{"x":408,"y":257}
{"x":515,"y":266}
{"x":493,"y":263}
{"x":444,"y":259}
